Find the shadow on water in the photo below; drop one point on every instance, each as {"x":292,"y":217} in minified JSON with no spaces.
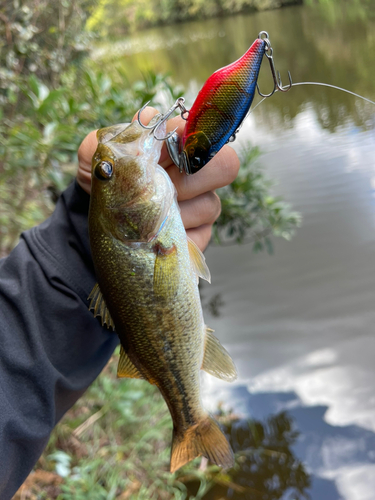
{"x":282,"y":435}
{"x":266,"y":467}
{"x":273,"y":446}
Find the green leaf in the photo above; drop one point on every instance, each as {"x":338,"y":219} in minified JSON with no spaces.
{"x":34,"y":84}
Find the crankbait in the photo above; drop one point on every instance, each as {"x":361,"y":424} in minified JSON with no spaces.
{"x":219,"y":109}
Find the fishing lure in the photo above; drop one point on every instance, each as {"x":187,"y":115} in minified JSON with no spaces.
{"x":219,"y":109}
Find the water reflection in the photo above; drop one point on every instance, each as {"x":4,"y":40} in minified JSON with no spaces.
{"x":300,"y":324}
{"x":341,"y":459}
{"x":267,"y":467}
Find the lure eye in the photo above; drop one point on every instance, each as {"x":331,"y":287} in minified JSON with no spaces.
{"x":191,"y":151}
{"x":103,"y":170}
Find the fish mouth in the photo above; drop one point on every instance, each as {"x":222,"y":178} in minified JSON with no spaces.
{"x":121,"y":150}
{"x":113,"y":131}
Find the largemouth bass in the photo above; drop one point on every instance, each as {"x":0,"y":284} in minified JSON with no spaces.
{"x":147,"y":270}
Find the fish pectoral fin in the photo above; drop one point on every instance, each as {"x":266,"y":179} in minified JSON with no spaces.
{"x":126,"y":368}
{"x":99,"y":307}
{"x":166,"y":275}
{"x":216,"y":360}
{"x":198,"y":261}
{"x":205,"y":438}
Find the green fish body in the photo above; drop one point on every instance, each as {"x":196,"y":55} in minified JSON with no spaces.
{"x":147,"y":271}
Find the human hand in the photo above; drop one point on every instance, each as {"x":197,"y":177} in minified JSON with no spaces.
{"x":200,"y":205}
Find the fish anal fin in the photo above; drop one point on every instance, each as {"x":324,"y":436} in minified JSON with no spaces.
{"x":198,"y":261}
{"x":126,"y":367}
{"x":216,"y":360}
{"x":205,"y":438}
{"x":98,"y":305}
{"x":166,"y":275}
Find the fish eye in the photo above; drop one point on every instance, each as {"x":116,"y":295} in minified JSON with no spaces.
{"x":103,"y":170}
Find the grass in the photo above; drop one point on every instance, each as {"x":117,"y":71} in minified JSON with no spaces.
{"x":114,"y":444}
{"x":114,"y":440}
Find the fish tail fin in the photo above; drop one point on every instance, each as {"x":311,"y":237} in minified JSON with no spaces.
{"x":207,"y":439}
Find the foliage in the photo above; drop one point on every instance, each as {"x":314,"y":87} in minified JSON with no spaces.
{"x":41,"y":42}
{"x":336,"y":10}
{"x":249,"y":213}
{"x":38,"y":146}
{"x":39,"y":157}
{"x":115,"y":444}
{"x":45,"y":109}
{"x":113,"y":18}
{"x":42,"y":38}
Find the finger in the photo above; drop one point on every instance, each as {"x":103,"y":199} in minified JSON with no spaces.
{"x":201,"y":235}
{"x":219,"y":172}
{"x":85,"y":153}
{"x":87,"y":149}
{"x":204,"y":209}
{"x":146,"y":115}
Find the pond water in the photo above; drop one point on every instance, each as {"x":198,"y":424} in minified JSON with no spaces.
{"x":300,"y":323}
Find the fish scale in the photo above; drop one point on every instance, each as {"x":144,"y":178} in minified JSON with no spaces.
{"x":147,"y":282}
{"x":145,"y":340}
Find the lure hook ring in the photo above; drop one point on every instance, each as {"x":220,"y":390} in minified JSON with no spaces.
{"x":265,"y":35}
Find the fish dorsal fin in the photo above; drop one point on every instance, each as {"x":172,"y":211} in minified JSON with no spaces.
{"x":198,"y":261}
{"x":126,"y":368}
{"x":166,"y":275}
{"x":99,"y":307}
{"x":216,"y":360}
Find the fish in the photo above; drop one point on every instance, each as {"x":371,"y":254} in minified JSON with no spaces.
{"x":218,"y":111}
{"x":147,"y":273}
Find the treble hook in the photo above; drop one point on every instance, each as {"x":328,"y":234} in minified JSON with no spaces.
{"x":278,"y":85}
{"x":153,"y":128}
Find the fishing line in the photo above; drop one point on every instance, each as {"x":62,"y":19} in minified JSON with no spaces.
{"x":334,"y":87}
{"x":322,"y":85}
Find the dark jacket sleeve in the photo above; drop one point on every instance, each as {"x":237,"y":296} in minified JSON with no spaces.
{"x":51,"y":346}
